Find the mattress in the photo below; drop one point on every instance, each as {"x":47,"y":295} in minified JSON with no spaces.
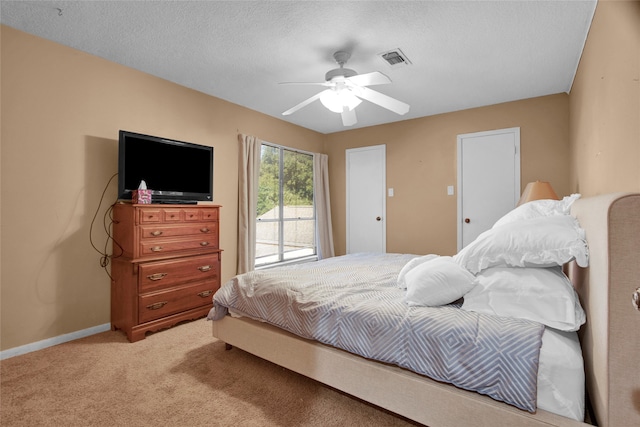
{"x":366,"y":281}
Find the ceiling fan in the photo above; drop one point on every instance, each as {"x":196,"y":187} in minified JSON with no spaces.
{"x":346,"y":89}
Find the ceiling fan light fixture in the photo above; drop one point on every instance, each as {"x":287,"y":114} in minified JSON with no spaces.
{"x":336,"y":100}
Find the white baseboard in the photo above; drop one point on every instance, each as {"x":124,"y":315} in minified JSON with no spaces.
{"x":49,"y":342}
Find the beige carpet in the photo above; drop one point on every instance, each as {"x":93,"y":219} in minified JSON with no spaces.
{"x":177,"y":377}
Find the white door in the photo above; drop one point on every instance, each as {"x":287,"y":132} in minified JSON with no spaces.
{"x":366,"y":208}
{"x":488,"y":180}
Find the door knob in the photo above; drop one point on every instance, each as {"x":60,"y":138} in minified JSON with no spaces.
{"x":378,"y":218}
{"x":467,"y":220}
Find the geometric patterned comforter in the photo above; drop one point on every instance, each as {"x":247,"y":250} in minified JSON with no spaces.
{"x":352,"y":302}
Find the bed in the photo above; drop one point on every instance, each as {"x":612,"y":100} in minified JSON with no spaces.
{"x":609,"y":341}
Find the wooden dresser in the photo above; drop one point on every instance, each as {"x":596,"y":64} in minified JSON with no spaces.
{"x":169,"y":268}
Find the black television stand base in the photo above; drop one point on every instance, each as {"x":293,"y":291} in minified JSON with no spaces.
{"x":175,"y":202}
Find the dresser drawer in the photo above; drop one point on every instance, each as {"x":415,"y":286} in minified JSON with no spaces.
{"x":193,"y":215}
{"x":161,"y":231}
{"x":174,"y":214}
{"x":163,"y":303}
{"x":204,"y":214}
{"x":150,"y":215}
{"x":176,"y":246}
{"x":199,"y":214}
{"x":165,"y":274}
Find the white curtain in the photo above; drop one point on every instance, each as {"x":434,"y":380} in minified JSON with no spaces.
{"x":248,"y":180}
{"x":324,"y":229}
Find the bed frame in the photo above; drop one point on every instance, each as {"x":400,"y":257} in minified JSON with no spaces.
{"x":610,"y":342}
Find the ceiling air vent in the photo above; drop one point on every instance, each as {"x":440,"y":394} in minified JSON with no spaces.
{"x":395,"y":58}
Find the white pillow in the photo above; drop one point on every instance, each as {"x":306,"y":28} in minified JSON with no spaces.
{"x":543,"y":295}
{"x":439,"y":281}
{"x":537,"y":242}
{"x":538,"y":208}
{"x":410,"y":265}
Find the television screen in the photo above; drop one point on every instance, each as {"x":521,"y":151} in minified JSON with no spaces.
{"x":174,"y":171}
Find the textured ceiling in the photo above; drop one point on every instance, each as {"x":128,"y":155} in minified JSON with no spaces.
{"x":463,"y":54}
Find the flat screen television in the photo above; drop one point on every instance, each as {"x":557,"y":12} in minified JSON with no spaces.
{"x":174,"y":171}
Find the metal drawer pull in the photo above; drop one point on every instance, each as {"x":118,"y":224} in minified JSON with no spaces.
{"x":204,"y":230}
{"x":205,"y":293}
{"x":156,"y":276}
{"x":204,"y":243}
{"x":156,"y":233}
{"x":157,"y":305}
{"x":156,"y":249}
{"x":204,"y":268}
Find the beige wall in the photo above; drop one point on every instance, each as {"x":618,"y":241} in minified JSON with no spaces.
{"x":62,"y":109}
{"x":61,"y":112}
{"x":605,"y":103}
{"x":421,"y":163}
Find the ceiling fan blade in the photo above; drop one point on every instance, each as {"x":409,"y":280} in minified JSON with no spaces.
{"x":383,"y":100}
{"x":349,"y":117}
{"x":370,"y":79}
{"x":303,"y":103}
{"x":307,"y":83}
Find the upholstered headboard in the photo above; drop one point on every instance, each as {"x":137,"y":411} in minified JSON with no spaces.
{"x":611,"y":336}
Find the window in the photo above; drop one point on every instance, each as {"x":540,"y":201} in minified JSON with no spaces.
{"x":286,"y":225}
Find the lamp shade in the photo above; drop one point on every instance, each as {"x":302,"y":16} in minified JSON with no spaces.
{"x":537,"y":190}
